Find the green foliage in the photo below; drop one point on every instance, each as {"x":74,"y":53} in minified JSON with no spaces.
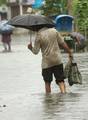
{"x":74,"y":5}
{"x":82,"y":14}
{"x":53,"y":7}
{"x":2,"y":2}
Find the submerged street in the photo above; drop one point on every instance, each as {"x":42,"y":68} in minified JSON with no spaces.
{"x":22,"y":95}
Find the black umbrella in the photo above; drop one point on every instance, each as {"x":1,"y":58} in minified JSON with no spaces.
{"x":32,"y":22}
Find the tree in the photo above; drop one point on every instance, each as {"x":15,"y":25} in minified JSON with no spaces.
{"x":2,"y":2}
{"x":69,"y":7}
{"x":54,"y":7}
{"x":82,"y":15}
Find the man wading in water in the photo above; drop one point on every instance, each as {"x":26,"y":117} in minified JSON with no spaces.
{"x":49,"y":40}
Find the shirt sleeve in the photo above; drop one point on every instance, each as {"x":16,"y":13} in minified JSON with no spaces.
{"x":60,"y":38}
{"x":36,"y":47}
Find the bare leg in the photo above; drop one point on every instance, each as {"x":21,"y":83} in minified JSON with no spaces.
{"x":9,"y":46}
{"x":48,"y":87}
{"x":4,"y":45}
{"x":62,"y":87}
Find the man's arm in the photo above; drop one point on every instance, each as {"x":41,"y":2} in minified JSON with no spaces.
{"x":78,"y":40}
{"x":65,"y":46}
{"x":36,"y":47}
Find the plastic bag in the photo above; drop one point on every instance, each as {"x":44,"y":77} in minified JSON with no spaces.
{"x":72,"y":73}
{"x":66,"y":69}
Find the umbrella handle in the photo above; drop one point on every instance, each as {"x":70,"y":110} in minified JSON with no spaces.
{"x":30,"y":33}
{"x":32,"y":36}
{"x":30,"y":39}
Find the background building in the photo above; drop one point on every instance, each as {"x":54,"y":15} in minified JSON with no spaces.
{"x":3,"y":11}
{"x":16,"y":7}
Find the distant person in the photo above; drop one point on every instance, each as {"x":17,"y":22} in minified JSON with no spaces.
{"x":6,"y":35}
{"x":6,"y":40}
{"x":79,"y":38}
{"x":49,"y":40}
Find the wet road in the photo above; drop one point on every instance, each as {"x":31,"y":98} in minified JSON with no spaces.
{"x":22,"y":95}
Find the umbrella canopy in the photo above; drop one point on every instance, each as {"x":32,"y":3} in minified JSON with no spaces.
{"x":4,"y":27}
{"x":2,"y":23}
{"x":32,"y":22}
{"x":76,"y":34}
{"x":79,"y":38}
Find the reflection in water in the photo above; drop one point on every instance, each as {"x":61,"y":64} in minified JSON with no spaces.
{"x":53,"y":104}
{"x":57,"y":106}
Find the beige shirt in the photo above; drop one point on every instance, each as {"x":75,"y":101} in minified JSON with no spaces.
{"x":48,"y":40}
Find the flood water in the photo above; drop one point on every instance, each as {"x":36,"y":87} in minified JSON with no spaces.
{"x":22,"y":94}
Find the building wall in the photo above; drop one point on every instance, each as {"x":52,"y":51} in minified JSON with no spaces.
{"x":3,"y":12}
{"x":15,"y":10}
{"x":16,"y":7}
